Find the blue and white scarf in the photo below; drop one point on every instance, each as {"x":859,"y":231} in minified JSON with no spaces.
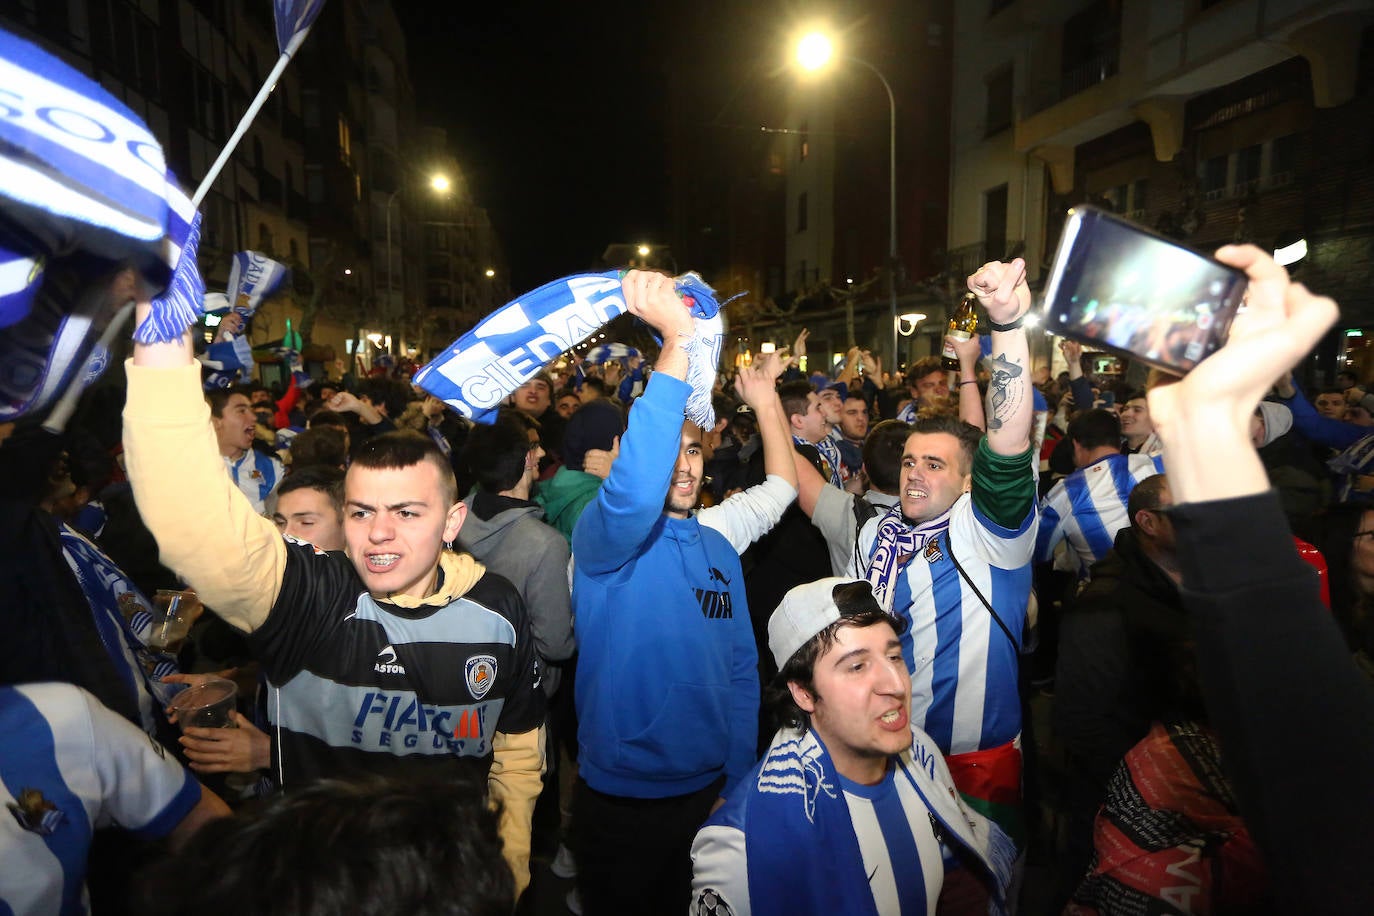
{"x":81,"y":171}
{"x":123,"y":617}
{"x":799,"y":826}
{"x":253,"y":277}
{"x":512,"y":344}
{"x":230,"y":359}
{"x":604,"y":353}
{"x":898,"y":540}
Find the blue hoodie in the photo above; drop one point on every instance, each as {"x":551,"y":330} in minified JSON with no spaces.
{"x":667,"y":689}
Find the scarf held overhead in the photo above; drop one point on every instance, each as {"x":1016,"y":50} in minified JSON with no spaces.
{"x":511,"y":345}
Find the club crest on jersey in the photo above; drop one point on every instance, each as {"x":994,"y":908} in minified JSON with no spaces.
{"x":35,"y":813}
{"x":481,"y":675}
{"x":932,"y":552}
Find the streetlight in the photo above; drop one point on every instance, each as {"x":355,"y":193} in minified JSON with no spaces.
{"x":439,"y":183}
{"x":814,"y":51}
{"x":643,"y":251}
{"x":490,"y":273}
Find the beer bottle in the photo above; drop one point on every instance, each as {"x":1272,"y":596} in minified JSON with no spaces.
{"x":963,"y":324}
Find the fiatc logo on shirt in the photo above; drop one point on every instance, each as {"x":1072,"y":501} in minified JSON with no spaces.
{"x":389,"y":722}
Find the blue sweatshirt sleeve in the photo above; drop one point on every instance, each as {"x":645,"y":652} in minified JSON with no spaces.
{"x":1321,"y":430}
{"x":615,"y":525}
{"x":744,"y":700}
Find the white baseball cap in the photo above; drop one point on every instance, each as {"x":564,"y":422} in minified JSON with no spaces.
{"x":805,"y":611}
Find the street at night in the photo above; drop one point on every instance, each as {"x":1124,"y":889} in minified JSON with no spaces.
{"x":892,"y":457}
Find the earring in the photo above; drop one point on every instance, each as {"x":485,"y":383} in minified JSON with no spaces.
{"x":448,"y":545}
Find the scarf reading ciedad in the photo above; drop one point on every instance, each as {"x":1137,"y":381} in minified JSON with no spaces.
{"x":508,"y":347}
{"x":896,"y":538}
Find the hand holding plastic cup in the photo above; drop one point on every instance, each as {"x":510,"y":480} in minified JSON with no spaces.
{"x":206,"y":705}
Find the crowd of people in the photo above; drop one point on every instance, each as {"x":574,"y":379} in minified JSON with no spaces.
{"x":334,"y":649}
{"x":779,"y":665}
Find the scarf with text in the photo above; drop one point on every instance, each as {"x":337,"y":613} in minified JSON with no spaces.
{"x":508,"y":347}
{"x":896,"y":541}
{"x":799,"y":826}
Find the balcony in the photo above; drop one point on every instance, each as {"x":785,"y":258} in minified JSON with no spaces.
{"x":1081,"y":78}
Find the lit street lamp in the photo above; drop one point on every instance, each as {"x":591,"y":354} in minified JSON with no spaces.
{"x":814,"y":51}
{"x":439,"y":183}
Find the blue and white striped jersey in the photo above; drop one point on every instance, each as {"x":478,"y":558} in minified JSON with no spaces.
{"x":1088,"y":507}
{"x":68,"y":765}
{"x":903,"y":859}
{"x":963,"y":667}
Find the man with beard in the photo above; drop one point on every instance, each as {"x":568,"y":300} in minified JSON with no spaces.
{"x":666,"y":694}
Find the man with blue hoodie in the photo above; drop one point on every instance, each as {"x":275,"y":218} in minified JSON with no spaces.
{"x":667,"y":694}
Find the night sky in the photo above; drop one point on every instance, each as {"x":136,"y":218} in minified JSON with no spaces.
{"x":555,"y":112}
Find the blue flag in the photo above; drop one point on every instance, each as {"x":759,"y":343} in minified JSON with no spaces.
{"x":254,"y":277}
{"x":79,"y":170}
{"x":604,"y":353}
{"x":513,"y":343}
{"x":294,"y":18}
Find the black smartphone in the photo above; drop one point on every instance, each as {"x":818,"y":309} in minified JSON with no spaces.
{"x":1121,"y":287}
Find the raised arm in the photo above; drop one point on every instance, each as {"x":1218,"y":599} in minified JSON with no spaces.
{"x":1002,"y":291}
{"x":1268,"y":651}
{"x":205,"y":527}
{"x":615,"y":525}
{"x":750,"y":514}
{"x":970,"y":403}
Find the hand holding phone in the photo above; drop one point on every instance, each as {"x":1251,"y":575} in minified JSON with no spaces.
{"x":1121,"y":287}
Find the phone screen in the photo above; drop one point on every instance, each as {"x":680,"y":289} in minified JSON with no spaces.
{"x":1116,"y":285}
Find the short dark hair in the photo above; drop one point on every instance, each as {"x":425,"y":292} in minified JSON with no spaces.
{"x":218,"y":398}
{"x":795,"y":398}
{"x":1146,"y":495}
{"x":596,"y":384}
{"x":883,"y":449}
{"x":373,"y":845}
{"x":405,"y":449}
{"x":326,"y":418}
{"x":923,"y":367}
{"x":858,"y":608}
{"x":319,"y":445}
{"x":1136,"y":395}
{"x":968,"y":435}
{"x":496,"y":453}
{"x":1095,"y":428}
{"x":328,"y":480}
{"x":389,"y":393}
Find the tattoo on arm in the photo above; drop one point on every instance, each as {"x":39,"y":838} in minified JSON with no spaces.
{"x":1003,"y":397}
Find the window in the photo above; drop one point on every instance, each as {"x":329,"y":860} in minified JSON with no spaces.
{"x":345,"y":144}
{"x":801,"y":275}
{"x":1283,"y":161}
{"x":1212,"y":178}
{"x":314,"y":184}
{"x":801,"y":212}
{"x":1247,"y":170}
{"x":804,"y":148}
{"x":294,"y":249}
{"x":264,"y":238}
{"x":999,"y":101}
{"x":995,"y":222}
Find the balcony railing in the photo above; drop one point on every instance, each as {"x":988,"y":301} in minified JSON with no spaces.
{"x":1087,"y":74}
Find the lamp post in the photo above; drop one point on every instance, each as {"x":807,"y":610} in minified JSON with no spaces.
{"x":814,"y":51}
{"x":439,"y":183}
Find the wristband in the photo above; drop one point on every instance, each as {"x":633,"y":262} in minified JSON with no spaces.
{"x":1008,"y":327}
{"x":969,"y":381}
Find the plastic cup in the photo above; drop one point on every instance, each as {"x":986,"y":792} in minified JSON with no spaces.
{"x":206,"y":705}
{"x":173,"y":614}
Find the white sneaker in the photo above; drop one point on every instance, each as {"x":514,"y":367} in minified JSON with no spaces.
{"x":574,"y":902}
{"x":563,"y":864}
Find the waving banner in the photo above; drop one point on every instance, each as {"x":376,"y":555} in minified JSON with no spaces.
{"x":513,"y":343}
{"x":293,"y":20}
{"x":254,"y":277}
{"x":607,"y":352}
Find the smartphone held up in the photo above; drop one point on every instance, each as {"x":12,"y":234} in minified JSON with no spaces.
{"x":1121,"y":287}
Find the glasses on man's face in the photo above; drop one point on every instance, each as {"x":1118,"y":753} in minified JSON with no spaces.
{"x":1360,"y":534}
